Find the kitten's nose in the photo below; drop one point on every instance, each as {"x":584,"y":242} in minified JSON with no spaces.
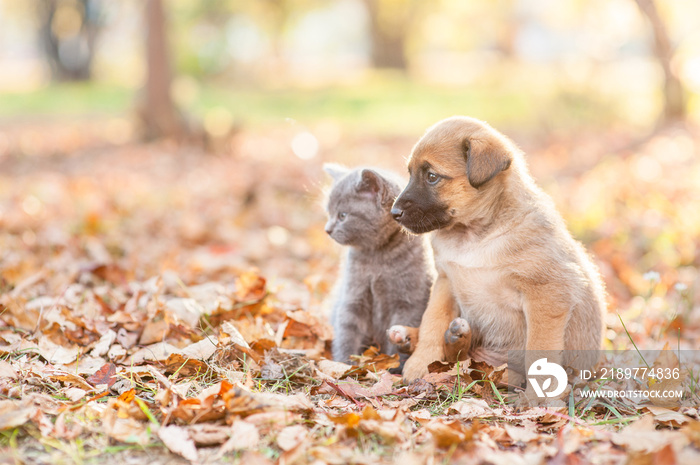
{"x":329,"y":228}
{"x":397,"y":213}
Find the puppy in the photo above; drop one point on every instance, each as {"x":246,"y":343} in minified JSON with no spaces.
{"x":510,"y":276}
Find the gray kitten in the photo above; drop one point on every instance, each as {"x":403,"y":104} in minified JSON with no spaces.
{"x":386,"y":276}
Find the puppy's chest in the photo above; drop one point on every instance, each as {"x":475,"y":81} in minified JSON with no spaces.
{"x":478,"y":276}
{"x":481,"y":288}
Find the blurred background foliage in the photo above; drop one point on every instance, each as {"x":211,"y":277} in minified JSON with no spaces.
{"x":541,"y":63}
{"x":603,"y":96}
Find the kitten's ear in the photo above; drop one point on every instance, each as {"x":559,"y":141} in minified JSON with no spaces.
{"x":370,"y":182}
{"x":335,"y":171}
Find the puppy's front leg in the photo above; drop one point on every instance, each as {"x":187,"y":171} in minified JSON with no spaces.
{"x":436,"y":319}
{"x":547,"y":311}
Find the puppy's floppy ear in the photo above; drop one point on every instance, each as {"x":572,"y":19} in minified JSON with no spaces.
{"x":485,"y":159}
{"x":335,"y":171}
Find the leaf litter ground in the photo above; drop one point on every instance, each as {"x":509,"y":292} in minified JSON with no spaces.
{"x":163,"y":304}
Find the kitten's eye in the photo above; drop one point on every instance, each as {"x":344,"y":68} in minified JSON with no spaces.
{"x":342,"y":215}
{"x":432,"y":178}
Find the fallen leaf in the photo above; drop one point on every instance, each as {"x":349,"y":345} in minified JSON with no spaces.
{"x":63,"y":431}
{"x":202,"y":350}
{"x":177,"y":440}
{"x":13,"y":414}
{"x":56,"y":354}
{"x":692,"y":432}
{"x":354,"y":390}
{"x":251,"y":457}
{"x":208,"y":434}
{"x":472,"y":408}
{"x":302,"y":324}
{"x":664,"y":388}
{"x":68,"y":378}
{"x":448,"y":433}
{"x":154,"y":331}
{"x":663,"y":456}
{"x":244,"y":436}
{"x":250,"y":286}
{"x":372,"y":361}
{"x":333,"y":369}
{"x":107,"y":375}
{"x":642,"y":436}
{"x":103,"y":345}
{"x":75,"y":394}
{"x":128,"y":430}
{"x":272,"y":370}
{"x":440,"y":366}
{"x":261,"y":346}
{"x":522,"y":433}
{"x":349,"y":419}
{"x":667,"y":417}
{"x":158,"y":352}
{"x":127,"y":339}
{"x":421,"y":416}
{"x":189,"y":311}
{"x":6,"y":370}
{"x":291,"y":436}
{"x":183,"y":366}
{"x":42,"y":422}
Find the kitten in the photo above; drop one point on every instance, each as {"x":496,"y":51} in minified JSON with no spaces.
{"x":386,"y":275}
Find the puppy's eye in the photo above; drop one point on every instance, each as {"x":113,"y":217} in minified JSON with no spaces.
{"x":342,"y":215}
{"x":432,"y":178}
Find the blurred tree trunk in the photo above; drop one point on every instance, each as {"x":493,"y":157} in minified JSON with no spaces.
{"x":157,"y":110}
{"x":674,"y":94}
{"x":388,"y":22}
{"x":277,"y":14}
{"x":68,"y":32}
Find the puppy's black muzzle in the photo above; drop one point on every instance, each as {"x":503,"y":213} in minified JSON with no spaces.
{"x":401,"y":205}
{"x":419,"y":209}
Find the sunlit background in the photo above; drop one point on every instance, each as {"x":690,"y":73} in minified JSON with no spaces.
{"x":189,"y":135}
{"x":547,"y":64}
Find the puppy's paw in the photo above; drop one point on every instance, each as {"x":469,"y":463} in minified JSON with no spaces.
{"x":414,"y":369}
{"x":459,"y":331}
{"x":403,"y":337}
{"x":417,"y":365}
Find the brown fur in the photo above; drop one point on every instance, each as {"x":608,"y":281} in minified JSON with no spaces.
{"x":506,"y":262}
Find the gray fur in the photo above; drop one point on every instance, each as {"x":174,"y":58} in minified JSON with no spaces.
{"x":386,"y":275}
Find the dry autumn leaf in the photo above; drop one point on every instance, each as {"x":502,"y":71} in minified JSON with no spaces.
{"x":453,"y":432}
{"x":291,"y":436}
{"x":107,"y":375}
{"x":177,"y":439}
{"x":13,"y":414}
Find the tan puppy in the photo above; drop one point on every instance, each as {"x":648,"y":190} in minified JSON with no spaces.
{"x":506,"y":263}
